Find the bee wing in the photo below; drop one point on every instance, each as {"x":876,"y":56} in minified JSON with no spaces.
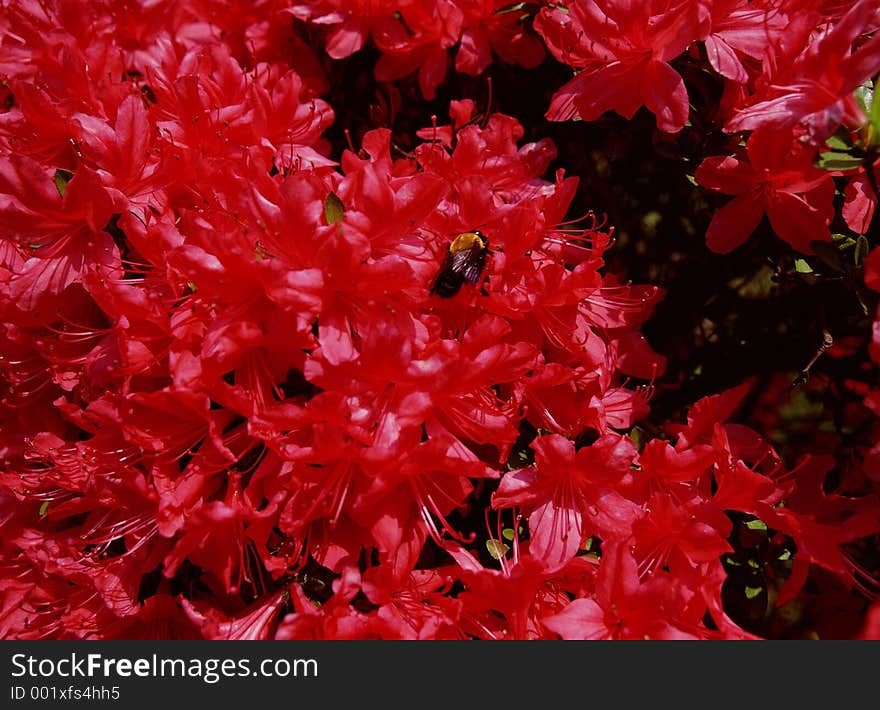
{"x":468,"y":263}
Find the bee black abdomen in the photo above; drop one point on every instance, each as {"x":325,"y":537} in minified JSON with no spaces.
{"x":448,"y":284}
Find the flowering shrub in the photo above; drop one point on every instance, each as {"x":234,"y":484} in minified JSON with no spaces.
{"x":255,"y":384}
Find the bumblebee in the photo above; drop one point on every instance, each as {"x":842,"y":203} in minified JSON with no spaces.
{"x":464,"y":262}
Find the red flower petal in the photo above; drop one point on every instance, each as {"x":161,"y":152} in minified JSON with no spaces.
{"x":733,"y":224}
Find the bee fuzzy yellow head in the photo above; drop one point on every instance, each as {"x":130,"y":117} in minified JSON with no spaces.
{"x":468,"y":240}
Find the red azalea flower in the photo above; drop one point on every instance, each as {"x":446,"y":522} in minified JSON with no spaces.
{"x":160,"y":617}
{"x":255,"y":623}
{"x":744,"y":29}
{"x":417,"y":40}
{"x":570,"y":495}
{"x":820,"y":524}
{"x":695,"y":529}
{"x":861,"y":199}
{"x":871,"y":629}
{"x":338,"y":618}
{"x":493,"y":25}
{"x":350,"y":22}
{"x":416,"y":36}
{"x":814,"y":84}
{"x":417,"y":601}
{"x":624,"y":607}
{"x":509,"y":603}
{"x":621,"y":51}
{"x":777,"y":179}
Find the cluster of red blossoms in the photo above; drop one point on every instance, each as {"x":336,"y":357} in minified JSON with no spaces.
{"x":235,"y":406}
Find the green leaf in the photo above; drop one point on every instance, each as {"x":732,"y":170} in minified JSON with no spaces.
{"x":62,"y":177}
{"x":875,"y":100}
{"x":863,"y":95}
{"x":840,"y":141}
{"x":872,"y":136}
{"x":511,"y":8}
{"x":44,"y":507}
{"x":637,"y":436}
{"x":862,"y":248}
{"x":334,"y":210}
{"x":496,"y":549}
{"x":752,"y":592}
{"x":838,"y":160}
{"x":519,"y":458}
{"x":802,"y":267}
